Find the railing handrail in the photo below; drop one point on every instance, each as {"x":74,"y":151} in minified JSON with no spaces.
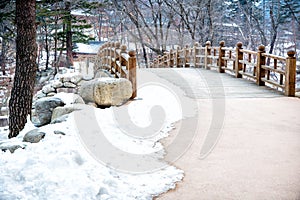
{"x":243,"y":62}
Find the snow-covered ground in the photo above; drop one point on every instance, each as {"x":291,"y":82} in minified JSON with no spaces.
{"x":61,"y":167}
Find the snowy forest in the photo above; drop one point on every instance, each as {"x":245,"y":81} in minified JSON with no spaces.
{"x":153,"y":26}
{"x":106,"y":126}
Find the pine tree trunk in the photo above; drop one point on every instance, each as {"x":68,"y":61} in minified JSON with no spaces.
{"x":3,"y":56}
{"x":69,"y":44}
{"x":22,"y":91}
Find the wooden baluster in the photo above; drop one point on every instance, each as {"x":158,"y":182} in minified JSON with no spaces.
{"x":108,"y":55}
{"x":187,"y":56}
{"x":290,"y":74}
{"x":221,"y":61}
{"x":166,"y":60}
{"x":159,"y":61}
{"x":132,"y":72}
{"x":123,"y":50}
{"x":177,"y":57}
{"x":196,"y":54}
{"x":239,"y":56}
{"x":171,"y":58}
{"x":207,"y":53}
{"x":261,"y":60}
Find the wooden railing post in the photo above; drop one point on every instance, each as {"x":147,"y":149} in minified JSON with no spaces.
{"x":166,"y":60}
{"x":208,"y":60}
{"x":290,"y":74}
{"x":221,"y":61}
{"x":177,"y":57}
{"x":110,"y":44}
{"x":239,"y":56}
{"x":159,"y":61}
{"x":171,"y":58}
{"x":196,"y":54}
{"x":187,"y":56}
{"x":132,"y":72}
{"x":261,"y":60}
{"x":123,"y":50}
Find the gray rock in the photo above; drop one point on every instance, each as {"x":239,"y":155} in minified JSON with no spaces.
{"x":34,"y":136}
{"x":102,"y":73}
{"x":76,"y":78}
{"x":69,"y":85}
{"x":47,"y":89}
{"x":60,"y":119}
{"x":70,"y":98}
{"x":66,"y":90}
{"x":10,"y":147}
{"x":112,"y":91}
{"x":40,"y":94}
{"x":57,"y":84}
{"x":44,"y":108}
{"x":51,"y":94}
{"x":73,"y":78}
{"x":59,"y":132}
{"x":60,"y":111}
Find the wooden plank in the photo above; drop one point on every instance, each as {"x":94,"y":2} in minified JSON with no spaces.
{"x":228,"y":69}
{"x":248,"y":51}
{"x":247,"y":63}
{"x":228,"y":59}
{"x":213,"y":57}
{"x":273,"y":83}
{"x":274,"y":56}
{"x":212,"y":65}
{"x":273,"y":70}
{"x":247,"y":74}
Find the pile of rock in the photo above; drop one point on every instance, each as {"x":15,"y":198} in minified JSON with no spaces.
{"x":67,"y":83}
{"x":52,"y":109}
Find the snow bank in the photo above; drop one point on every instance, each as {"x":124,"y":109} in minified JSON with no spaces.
{"x":60,"y":167}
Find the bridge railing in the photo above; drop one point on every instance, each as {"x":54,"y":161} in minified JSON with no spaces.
{"x":121,"y":63}
{"x":265,"y":69}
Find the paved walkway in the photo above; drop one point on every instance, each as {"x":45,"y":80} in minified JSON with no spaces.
{"x":257,"y":151}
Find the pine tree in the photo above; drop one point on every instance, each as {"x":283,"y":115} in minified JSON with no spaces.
{"x":22,"y":91}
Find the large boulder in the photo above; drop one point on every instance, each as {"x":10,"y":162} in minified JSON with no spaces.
{"x":106,"y":91}
{"x":44,"y":108}
{"x":86,"y":91}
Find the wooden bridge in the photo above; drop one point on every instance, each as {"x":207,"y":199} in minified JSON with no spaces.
{"x":256,"y":155}
{"x":276,"y":72}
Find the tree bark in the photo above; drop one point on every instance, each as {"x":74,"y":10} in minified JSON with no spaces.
{"x":21,"y":95}
{"x":47,"y":46}
{"x":3,"y":56}
{"x":69,"y":44}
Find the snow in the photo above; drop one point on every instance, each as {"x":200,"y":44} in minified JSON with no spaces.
{"x":91,"y":48}
{"x":62,"y":167}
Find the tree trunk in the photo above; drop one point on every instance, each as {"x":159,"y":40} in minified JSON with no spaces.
{"x":55,"y":48}
{"x":69,"y":35}
{"x":22,"y":91}
{"x":3,"y":56}
{"x":47,"y":46}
